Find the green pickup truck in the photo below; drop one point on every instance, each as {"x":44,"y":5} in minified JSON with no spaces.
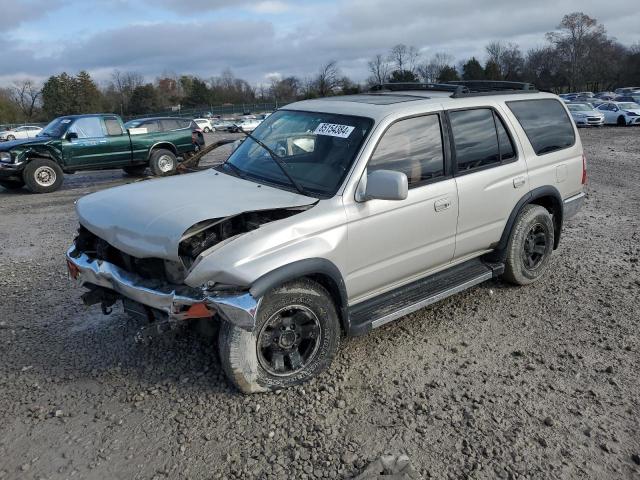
{"x":95,"y":142}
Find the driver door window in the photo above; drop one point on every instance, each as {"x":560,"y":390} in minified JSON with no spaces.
{"x":88,"y":127}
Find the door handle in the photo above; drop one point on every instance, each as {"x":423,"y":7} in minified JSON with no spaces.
{"x":519,"y":181}
{"x":442,"y":204}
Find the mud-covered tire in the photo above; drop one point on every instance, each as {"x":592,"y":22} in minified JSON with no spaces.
{"x":135,"y":170}
{"x":12,"y":184}
{"x":245,"y":367}
{"x":163,"y":162}
{"x":530,"y":245}
{"x":42,"y":175}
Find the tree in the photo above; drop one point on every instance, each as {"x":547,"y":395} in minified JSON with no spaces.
{"x":328,"y":79}
{"x":448,"y":74}
{"x":27,"y":95}
{"x":400,"y":76}
{"x":88,"y":98}
{"x":472,"y":70}
{"x":284,"y":88}
{"x":431,"y":71}
{"x":9,"y":110}
{"x":379,"y":68}
{"x":144,"y":99}
{"x":492,"y":70}
{"x":577,"y":37}
{"x":58,"y":94}
{"x":123,"y":84}
{"x":403,"y":57}
{"x":197,"y":92}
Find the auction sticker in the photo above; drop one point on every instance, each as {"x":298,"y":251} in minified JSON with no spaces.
{"x":334,"y":130}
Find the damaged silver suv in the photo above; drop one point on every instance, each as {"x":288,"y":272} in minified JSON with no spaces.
{"x":336,"y":216}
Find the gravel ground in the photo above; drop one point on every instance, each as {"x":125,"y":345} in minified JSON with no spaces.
{"x":497,"y":382}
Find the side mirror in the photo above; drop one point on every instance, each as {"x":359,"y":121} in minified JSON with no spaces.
{"x":70,"y":136}
{"x":383,"y":185}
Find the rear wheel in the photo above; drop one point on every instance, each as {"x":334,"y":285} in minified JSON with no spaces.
{"x":530,"y":245}
{"x":42,"y":175}
{"x":11,"y":184}
{"x":296,"y":336}
{"x":135,"y":170}
{"x":163,"y":162}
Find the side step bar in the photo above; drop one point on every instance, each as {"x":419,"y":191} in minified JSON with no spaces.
{"x":407,"y":299}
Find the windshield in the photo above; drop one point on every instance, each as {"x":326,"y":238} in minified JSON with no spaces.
{"x":56,"y":128}
{"x":629,"y":106}
{"x":580,"y":108}
{"x":316,"y":148}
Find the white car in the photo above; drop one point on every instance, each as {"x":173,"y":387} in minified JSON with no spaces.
{"x":26,"y":131}
{"x":204,"y":124}
{"x":248,"y":124}
{"x":620,"y":113}
{"x":584,"y":114}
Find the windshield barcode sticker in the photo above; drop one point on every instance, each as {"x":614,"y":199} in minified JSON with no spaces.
{"x":334,"y":130}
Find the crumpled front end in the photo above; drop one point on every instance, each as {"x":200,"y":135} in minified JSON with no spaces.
{"x":112,"y":275}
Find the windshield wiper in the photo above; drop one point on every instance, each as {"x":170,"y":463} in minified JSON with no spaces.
{"x":235,"y":169}
{"x":276,"y":158}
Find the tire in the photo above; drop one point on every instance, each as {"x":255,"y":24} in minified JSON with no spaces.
{"x":10,"y":138}
{"x":530,"y":245}
{"x":11,"y":184}
{"x":42,"y":175}
{"x":621,"y":122}
{"x":163,"y":162}
{"x":300,"y":317}
{"x":135,"y":170}
{"x":206,"y":130}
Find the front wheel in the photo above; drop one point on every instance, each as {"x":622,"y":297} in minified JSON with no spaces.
{"x":207,"y":130}
{"x":10,"y":138}
{"x":296,"y":336}
{"x":530,"y":245}
{"x":42,"y":175}
{"x":622,"y":122}
{"x":163,"y":162}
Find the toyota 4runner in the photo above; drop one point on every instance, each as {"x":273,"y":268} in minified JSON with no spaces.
{"x":336,"y":216}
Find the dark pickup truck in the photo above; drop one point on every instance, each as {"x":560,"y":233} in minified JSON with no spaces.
{"x":95,"y":142}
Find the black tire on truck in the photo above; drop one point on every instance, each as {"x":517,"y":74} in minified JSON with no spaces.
{"x":12,"y":184}
{"x":163,"y":162}
{"x":296,"y":336}
{"x":530,"y":245}
{"x":42,"y":175}
{"x":135,"y":170}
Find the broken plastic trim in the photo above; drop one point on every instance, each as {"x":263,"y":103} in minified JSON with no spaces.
{"x":239,"y":308}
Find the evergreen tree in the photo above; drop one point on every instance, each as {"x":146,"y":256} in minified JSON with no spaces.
{"x":472,"y":70}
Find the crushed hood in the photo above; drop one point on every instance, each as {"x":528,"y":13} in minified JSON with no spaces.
{"x":147,"y":219}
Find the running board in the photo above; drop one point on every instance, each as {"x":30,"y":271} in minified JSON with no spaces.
{"x":407,"y":299}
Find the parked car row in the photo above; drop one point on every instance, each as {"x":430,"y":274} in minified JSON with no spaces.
{"x":606,"y":113}
{"x":25,"y":131}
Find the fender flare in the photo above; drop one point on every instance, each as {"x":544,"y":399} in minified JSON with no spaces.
{"x":162,"y":145}
{"x":308,"y":267}
{"x":530,"y":197}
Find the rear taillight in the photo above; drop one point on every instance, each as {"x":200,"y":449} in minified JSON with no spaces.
{"x":584,"y":169}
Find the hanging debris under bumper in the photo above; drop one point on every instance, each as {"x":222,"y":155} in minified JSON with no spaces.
{"x":177,"y":302}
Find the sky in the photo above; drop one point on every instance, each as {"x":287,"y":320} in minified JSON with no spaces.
{"x":259,"y":39}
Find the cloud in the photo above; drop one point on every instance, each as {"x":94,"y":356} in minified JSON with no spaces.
{"x":16,"y":12}
{"x":299,"y":39}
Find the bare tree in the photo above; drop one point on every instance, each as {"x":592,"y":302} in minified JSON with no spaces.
{"x":431,"y":70}
{"x":404,"y":57}
{"x":27,"y":95}
{"x":379,"y":68}
{"x":578,"y":36}
{"x":124,"y":83}
{"x":328,"y":79}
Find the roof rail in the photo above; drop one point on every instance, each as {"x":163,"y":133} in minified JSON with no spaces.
{"x":475,"y":88}
{"x":408,"y":86}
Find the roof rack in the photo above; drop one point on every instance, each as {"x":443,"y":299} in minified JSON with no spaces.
{"x":409,"y":86}
{"x":475,"y":88}
{"x":460,"y":89}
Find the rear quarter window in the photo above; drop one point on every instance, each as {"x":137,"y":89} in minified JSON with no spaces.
{"x":546,"y":123}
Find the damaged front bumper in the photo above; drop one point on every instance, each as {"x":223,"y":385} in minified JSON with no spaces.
{"x":179,"y":304}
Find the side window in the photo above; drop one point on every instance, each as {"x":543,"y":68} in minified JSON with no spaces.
{"x":169,"y":124}
{"x":412,"y":146}
{"x":186,"y":123}
{"x":507,"y":152}
{"x":546,"y":124}
{"x":113,"y":126}
{"x":475,"y":139}
{"x":151,"y":126}
{"x":87,"y":127}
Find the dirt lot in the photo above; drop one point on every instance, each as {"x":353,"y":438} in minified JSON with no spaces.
{"x":497,"y":382}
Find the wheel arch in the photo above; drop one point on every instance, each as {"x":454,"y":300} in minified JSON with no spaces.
{"x":164,"y":146}
{"x":321,"y":270}
{"x":548,"y":197}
